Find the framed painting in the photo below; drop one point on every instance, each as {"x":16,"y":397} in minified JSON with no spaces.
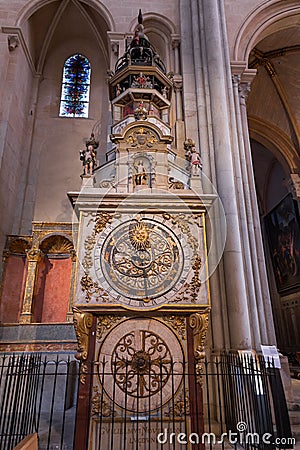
{"x":283,"y":231}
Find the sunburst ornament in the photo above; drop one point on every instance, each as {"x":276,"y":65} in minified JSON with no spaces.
{"x":139,"y":235}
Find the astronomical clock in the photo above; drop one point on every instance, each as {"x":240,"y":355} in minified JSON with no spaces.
{"x":142,"y":296}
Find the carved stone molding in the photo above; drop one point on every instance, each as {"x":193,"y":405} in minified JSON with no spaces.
{"x":199,"y":324}
{"x":13,"y":42}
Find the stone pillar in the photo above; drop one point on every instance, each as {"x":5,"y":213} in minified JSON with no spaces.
{"x":73,"y":275}
{"x":33,"y":256}
{"x":260,"y":310}
{"x":116,"y":41}
{"x":219,"y":91}
{"x":197,"y":117}
{"x":175,"y":46}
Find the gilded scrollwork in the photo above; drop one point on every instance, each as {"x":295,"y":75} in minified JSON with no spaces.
{"x":102,"y":220}
{"x":141,"y":137}
{"x":100,"y":406}
{"x":190,"y":291}
{"x":83,"y":322}
{"x":92,"y":288}
{"x":180,"y":408}
{"x":178,"y":324}
{"x":104,"y":325}
{"x":199,"y":324}
{"x":184,"y":223}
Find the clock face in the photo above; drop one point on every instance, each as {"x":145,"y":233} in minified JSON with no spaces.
{"x":139,"y":260}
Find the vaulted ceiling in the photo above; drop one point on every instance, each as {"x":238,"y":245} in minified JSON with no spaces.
{"x":60,"y":21}
{"x":274,"y":103}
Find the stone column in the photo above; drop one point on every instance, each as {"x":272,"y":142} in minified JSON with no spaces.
{"x":33,"y":256}
{"x":236,"y":293}
{"x":197,"y":117}
{"x":261,"y":311}
{"x":116,"y":41}
{"x":73,"y":274}
{"x":175,"y":46}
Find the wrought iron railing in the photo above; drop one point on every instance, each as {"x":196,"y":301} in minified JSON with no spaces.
{"x":233,"y":400}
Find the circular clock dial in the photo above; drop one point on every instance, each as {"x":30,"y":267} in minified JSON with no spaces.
{"x":141,"y":364}
{"x":141,"y":259}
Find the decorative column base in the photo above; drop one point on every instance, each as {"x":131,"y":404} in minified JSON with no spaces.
{"x":25,"y":318}
{"x":196,"y":184}
{"x":88,"y":180}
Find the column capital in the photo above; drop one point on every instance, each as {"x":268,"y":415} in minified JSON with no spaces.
{"x":293,"y":185}
{"x":177,"y":82}
{"x":33,"y":254}
{"x":175,"y":38}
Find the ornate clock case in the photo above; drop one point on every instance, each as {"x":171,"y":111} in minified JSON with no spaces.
{"x":142,"y":295}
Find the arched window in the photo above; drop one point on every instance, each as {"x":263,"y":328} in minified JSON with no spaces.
{"x":75,"y":91}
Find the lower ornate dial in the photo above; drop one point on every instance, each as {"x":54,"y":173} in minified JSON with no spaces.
{"x":142,"y":364}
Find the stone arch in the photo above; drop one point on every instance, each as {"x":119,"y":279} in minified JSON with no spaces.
{"x":37,"y":5}
{"x":261,"y":22}
{"x":54,"y":279}
{"x":56,"y":244}
{"x":162,"y":30}
{"x":276,"y":141}
{"x":157,"y":20}
{"x":28,"y":10}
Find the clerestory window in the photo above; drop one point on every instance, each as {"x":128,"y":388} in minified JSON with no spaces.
{"x":75,"y":91}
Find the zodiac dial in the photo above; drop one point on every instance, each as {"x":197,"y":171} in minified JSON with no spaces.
{"x":140,"y":260}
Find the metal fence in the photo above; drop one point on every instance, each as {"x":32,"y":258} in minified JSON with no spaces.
{"x":238,"y":401}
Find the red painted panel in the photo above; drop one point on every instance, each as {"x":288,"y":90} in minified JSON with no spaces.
{"x":13,"y":289}
{"x":56,"y":289}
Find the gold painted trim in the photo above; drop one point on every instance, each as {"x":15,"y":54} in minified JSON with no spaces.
{"x":206,"y":258}
{"x":83,"y":323}
{"x":199,"y":324}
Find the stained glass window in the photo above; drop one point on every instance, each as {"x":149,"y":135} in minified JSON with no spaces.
{"x":75,"y":90}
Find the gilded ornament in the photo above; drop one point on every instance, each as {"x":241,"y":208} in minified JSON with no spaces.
{"x":175,"y":184}
{"x":102,"y":219}
{"x":56,"y":245}
{"x":82,"y":323}
{"x":105,"y":323}
{"x":184,"y":221}
{"x":33,"y":254}
{"x":141,"y":137}
{"x":199,"y":324}
{"x":139,"y":235}
{"x":100,"y":406}
{"x":191,"y":290}
{"x":181,"y":407}
{"x":178,"y":323}
{"x":92,"y":288}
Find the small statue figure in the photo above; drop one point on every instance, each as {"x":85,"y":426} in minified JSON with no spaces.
{"x":118,"y":89}
{"x":88,"y":158}
{"x":140,"y":177}
{"x":165,"y":92}
{"x":193,"y":156}
{"x":88,"y":155}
